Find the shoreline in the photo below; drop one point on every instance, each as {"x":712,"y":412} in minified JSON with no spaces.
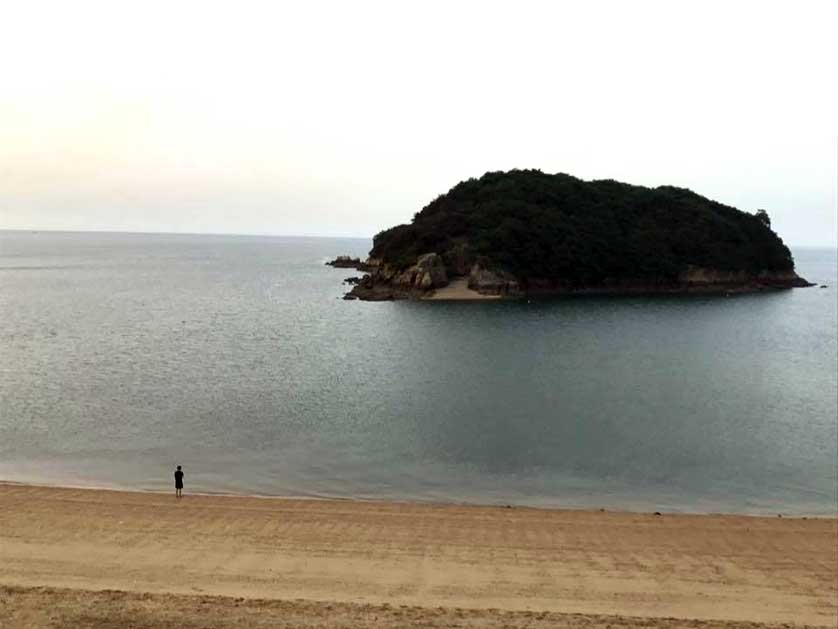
{"x":600,"y":508}
{"x":455,"y":293}
{"x":491,"y":560}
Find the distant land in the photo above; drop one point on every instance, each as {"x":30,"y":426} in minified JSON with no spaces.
{"x":524,"y":232}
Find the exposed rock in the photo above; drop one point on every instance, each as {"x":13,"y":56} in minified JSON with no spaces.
{"x":352,"y":280}
{"x":347,"y":262}
{"x":699,"y":277}
{"x":384,"y":282}
{"x":489,"y":282}
{"x":430,"y":272}
{"x":419,"y":280}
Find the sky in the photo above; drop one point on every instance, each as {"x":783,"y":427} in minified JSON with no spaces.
{"x":345,"y":118}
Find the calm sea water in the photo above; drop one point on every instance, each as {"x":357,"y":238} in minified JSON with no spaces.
{"x":123,"y":355}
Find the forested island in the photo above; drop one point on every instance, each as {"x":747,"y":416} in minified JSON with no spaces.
{"x":524,"y":232}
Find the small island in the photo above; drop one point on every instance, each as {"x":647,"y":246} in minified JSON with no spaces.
{"x":526,"y":233}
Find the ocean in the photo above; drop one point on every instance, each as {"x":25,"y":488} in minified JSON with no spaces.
{"x":122,"y":355}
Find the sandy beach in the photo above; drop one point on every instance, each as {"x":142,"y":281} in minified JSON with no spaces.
{"x":458,"y":290}
{"x":82,"y":557}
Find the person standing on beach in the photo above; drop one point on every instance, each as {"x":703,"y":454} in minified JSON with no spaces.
{"x":178,"y":482}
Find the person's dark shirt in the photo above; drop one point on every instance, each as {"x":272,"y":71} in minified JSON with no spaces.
{"x":179,"y":477}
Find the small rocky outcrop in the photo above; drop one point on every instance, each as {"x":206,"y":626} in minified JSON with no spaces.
{"x":348,"y":262}
{"x":344,"y":262}
{"x":428,"y":272}
{"x":489,"y":282}
{"x":384,"y":282}
{"x":700,"y":278}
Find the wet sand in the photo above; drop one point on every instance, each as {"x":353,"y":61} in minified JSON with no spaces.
{"x":214,"y":561}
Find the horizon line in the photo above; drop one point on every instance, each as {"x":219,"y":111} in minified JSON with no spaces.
{"x":177,"y":233}
{"x":256,"y":235}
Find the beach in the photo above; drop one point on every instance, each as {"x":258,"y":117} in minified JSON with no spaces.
{"x":458,"y":290}
{"x":68,"y":555}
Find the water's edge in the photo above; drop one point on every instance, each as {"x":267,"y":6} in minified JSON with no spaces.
{"x":427,"y":503}
{"x":123,"y":356}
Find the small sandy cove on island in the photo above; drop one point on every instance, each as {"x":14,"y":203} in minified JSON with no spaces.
{"x":96,"y":558}
{"x":458,"y":290}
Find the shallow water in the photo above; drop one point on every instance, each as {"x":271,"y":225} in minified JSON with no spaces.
{"x":235,"y":357}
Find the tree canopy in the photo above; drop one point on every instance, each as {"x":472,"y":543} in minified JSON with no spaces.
{"x":542,"y":226}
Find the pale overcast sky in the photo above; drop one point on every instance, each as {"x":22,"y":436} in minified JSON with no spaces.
{"x":344,"y":118}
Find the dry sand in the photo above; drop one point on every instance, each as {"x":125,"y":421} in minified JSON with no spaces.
{"x":458,"y":290}
{"x":358,"y":564}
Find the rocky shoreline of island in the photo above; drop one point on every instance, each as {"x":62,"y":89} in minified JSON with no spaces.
{"x":429,"y":278}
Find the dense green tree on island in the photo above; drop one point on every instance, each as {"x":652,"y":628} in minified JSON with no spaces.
{"x":536,"y":225}
{"x":763,"y":216}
